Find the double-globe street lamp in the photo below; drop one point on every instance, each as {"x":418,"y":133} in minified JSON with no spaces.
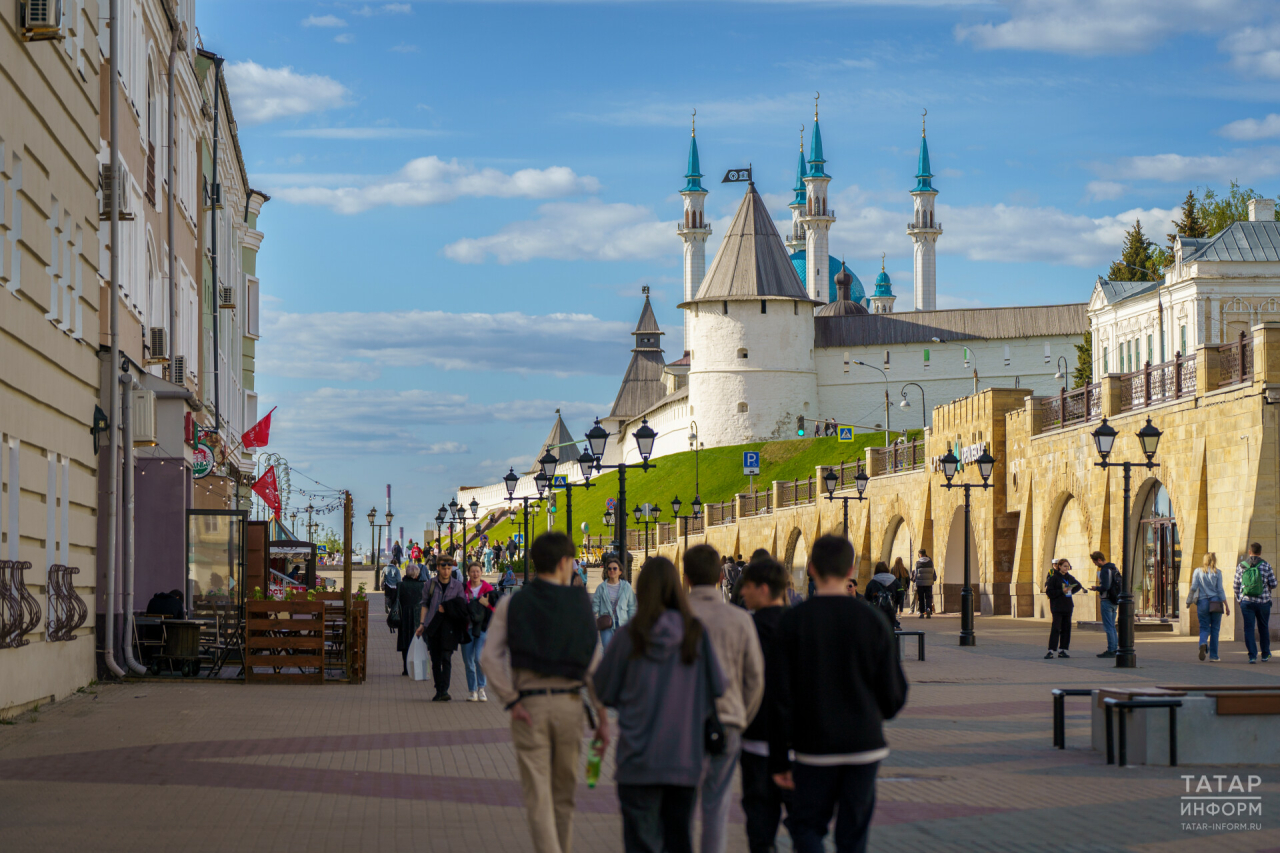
{"x":441,"y":515}
{"x":541,"y":481}
{"x":696,"y":506}
{"x":597,"y":436}
{"x":460,"y":515}
{"x":586,"y":462}
{"x":646,"y":514}
{"x":1104,"y":437}
{"x":985,"y":462}
{"x":832,"y":480}
{"x":374,"y":529}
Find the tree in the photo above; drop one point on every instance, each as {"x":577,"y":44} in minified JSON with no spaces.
{"x":1216,"y":214}
{"x":1083,"y":374}
{"x":1190,"y":225}
{"x":1139,"y":254}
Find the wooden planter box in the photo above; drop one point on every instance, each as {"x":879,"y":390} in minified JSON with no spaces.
{"x":284,"y":635}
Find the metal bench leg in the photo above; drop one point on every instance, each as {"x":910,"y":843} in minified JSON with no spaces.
{"x":1123,"y":746}
{"x":1110,"y":740}
{"x":1059,"y":721}
{"x":921,"y":640}
{"x":1173,"y":737}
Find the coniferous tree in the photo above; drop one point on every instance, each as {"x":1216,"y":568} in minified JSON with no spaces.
{"x":1139,"y":254}
{"x":1083,"y":374}
{"x":1190,"y":224}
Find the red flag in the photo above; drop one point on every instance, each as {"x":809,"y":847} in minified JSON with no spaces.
{"x":259,"y":434}
{"x":268,"y":489}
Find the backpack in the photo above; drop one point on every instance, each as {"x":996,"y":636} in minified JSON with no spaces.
{"x":1251,"y":583}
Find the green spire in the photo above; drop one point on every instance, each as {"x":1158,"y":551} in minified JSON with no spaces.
{"x":816,"y":160}
{"x":801,"y":170}
{"x":694,"y":174}
{"x":924,"y":184}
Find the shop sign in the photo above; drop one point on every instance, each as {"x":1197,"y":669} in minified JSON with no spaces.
{"x":201,"y":461}
{"x":967,"y":455}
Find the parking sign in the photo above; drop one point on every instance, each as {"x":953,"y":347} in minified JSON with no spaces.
{"x":750,"y":463}
{"x":845,"y":433}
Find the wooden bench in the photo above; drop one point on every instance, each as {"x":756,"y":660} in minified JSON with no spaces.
{"x":919,"y":635}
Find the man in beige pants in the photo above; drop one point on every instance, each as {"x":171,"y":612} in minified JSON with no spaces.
{"x":541,"y":650}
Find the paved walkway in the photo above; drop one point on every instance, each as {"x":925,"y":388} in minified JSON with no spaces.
{"x":218,"y":767}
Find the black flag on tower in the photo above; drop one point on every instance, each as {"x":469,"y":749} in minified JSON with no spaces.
{"x":735,"y":175}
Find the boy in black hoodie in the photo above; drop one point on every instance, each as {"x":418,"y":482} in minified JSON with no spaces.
{"x":763,"y":589}
{"x":843,"y":681}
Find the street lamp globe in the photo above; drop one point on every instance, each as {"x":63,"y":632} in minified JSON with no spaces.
{"x":675,"y":505}
{"x":654,"y":511}
{"x":949,"y":465}
{"x":475,"y":507}
{"x":548,"y":463}
{"x":585,"y":463}
{"x":1149,"y":437}
{"x":1104,"y":437}
{"x":510,"y":480}
{"x":644,"y":439}
{"x":540,"y":480}
{"x":986,"y":463}
{"x":373,"y":516}
{"x":636,"y":512}
{"x":389,"y":517}
{"x":904,"y":404}
{"x":608,"y":518}
{"x":596,"y":439}
{"x":831,"y":479}
{"x":453,"y":507}
{"x":697,"y":506}
{"x":861,"y":481}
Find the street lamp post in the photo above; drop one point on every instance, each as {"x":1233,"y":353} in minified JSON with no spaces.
{"x":924,"y":410}
{"x":596,"y":439}
{"x":586,"y":462}
{"x":676,"y":503}
{"x":511,"y":481}
{"x":832,"y":479}
{"x":373,"y":537}
{"x":1104,"y":437}
{"x":985,"y":464}
{"x":441,"y":514}
{"x":886,"y":396}
{"x":646,"y":515}
{"x":1063,"y":367}
{"x":695,"y":445}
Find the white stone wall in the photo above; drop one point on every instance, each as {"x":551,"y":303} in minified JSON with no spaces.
{"x":777,"y":380}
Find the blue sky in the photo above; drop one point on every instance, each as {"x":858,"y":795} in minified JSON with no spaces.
{"x":467,"y":197}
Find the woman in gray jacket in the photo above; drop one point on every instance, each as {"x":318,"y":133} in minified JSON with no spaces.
{"x":661,"y":676}
{"x":614,"y":602}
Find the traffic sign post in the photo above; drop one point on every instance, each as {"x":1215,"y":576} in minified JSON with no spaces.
{"x":750,"y":463}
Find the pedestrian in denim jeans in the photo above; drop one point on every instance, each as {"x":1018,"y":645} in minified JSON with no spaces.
{"x":1108,"y":589}
{"x":1254,"y":581}
{"x":1207,"y":591}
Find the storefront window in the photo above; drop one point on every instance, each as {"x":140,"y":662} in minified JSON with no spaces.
{"x":1155,"y":587}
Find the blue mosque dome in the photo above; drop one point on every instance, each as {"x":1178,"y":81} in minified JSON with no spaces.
{"x":884,"y":287}
{"x":857,"y":294}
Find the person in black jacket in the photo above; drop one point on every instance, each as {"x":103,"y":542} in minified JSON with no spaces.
{"x":1060,"y":586}
{"x":763,"y":589}
{"x":843,"y":680}
{"x":408,"y":599}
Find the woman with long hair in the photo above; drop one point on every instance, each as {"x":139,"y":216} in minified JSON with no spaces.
{"x":1060,"y":586}
{"x":614,"y":602}
{"x":1208,"y":595}
{"x":662,"y":677}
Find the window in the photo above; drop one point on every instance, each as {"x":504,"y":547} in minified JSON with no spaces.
{"x":742,"y":353}
{"x":726,"y":307}
{"x":1006,"y":355}
{"x":1183,"y":337}
{"x":1047,"y":354}
{"x":795,"y":308}
{"x":764,"y":307}
{"x":926,"y":359}
{"x":1105,"y":367}
{"x":1150,"y":351}
{"x":742,"y":408}
{"x":886,"y":359}
{"x":966,"y":356}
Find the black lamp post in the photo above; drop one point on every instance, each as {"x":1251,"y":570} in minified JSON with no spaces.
{"x":373,"y":536}
{"x":441,"y":514}
{"x":511,"y":481}
{"x":696,"y":506}
{"x":695,"y":445}
{"x":1104,"y":437}
{"x":586,"y":462}
{"x":986,"y":462}
{"x":609,"y":522}
{"x":596,"y":439}
{"x":646,"y":515}
{"x":832,"y":480}
{"x":924,"y":411}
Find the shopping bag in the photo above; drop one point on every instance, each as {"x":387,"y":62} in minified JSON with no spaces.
{"x":417,"y":660}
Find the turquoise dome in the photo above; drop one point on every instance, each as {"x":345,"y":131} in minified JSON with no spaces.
{"x":857,"y":294}
{"x":884,"y":287}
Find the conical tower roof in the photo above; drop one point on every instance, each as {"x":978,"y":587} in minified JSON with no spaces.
{"x":648,"y":324}
{"x":560,"y":442}
{"x":642,"y":383}
{"x":752,"y":262}
{"x":924,"y":177}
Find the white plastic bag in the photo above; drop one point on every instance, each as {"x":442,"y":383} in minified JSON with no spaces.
{"x":419,"y":670}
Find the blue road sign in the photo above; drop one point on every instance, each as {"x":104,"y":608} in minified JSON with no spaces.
{"x":750,"y":463}
{"x":845,"y":433}
{"x":611,"y":504}
{"x":559,"y":481}
{"x":519,"y":537}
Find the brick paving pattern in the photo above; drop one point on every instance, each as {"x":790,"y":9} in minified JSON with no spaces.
{"x":224,"y":766}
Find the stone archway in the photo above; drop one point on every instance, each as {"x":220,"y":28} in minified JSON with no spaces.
{"x":796,"y":560}
{"x":1067,"y":537}
{"x":953,"y":565}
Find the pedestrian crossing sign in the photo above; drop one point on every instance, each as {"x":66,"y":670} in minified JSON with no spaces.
{"x":844,"y":433}
{"x":559,"y":481}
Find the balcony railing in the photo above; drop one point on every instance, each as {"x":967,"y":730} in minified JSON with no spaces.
{"x":847,"y":471}
{"x":760,"y":503}
{"x":696,"y":525}
{"x":797,"y":492}
{"x":1158,"y":383}
{"x":1235,"y":362}
{"x":717,"y":514}
{"x":1071,"y":407}
{"x":666,"y":532}
{"x":636,"y":539}
{"x":908,"y":456}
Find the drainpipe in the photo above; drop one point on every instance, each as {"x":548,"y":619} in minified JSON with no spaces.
{"x":177,"y":42}
{"x":127,"y":531}
{"x":113,"y":387}
{"x":213,"y":243}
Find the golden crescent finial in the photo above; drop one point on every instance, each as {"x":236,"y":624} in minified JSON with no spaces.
{"x":801,"y":137}
{"x":882,"y":262}
{"x":922,"y":117}
{"x":694,"y":123}
{"x":816,"y":95}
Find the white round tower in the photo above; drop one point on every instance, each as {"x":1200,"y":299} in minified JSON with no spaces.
{"x":751,"y":372}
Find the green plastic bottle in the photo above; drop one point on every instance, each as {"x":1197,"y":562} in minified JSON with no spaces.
{"x":595,"y":755}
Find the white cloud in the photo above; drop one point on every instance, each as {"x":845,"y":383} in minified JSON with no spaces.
{"x":262,"y":94}
{"x":324,"y":21}
{"x":1101,"y":26}
{"x":350,"y":346}
{"x":359,"y":133}
{"x":430,"y":180}
{"x":1255,"y":51}
{"x":446,"y":447}
{"x":745,"y":111}
{"x":1104,"y":190}
{"x":589,"y":230}
{"x":1244,"y":164}
{"x":404,"y":48}
{"x":1249,"y":129}
{"x":344,"y":38}
{"x":368,"y":11}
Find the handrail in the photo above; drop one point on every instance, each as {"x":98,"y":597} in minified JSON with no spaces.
{"x":1235,"y":362}
{"x":1158,"y":383}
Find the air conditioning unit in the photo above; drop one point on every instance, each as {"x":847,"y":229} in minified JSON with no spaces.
{"x":178,"y":370}
{"x":144,"y":418}
{"x":159,"y":338}
{"x":106,"y":185}
{"x":41,"y":19}
{"x":226,"y":297}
